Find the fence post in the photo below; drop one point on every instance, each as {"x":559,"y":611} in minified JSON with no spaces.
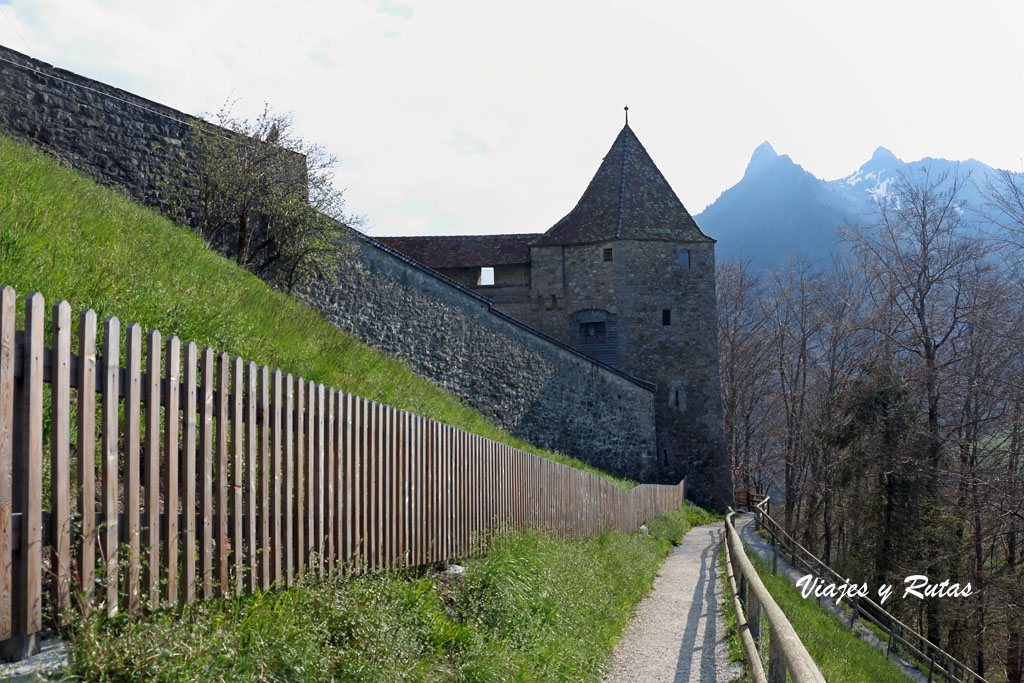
{"x":171,"y":474}
{"x":60,"y":465}
{"x":754,"y":618}
{"x":27,"y":489}
{"x":132,"y":398}
{"x":188,"y":554}
{"x":111,"y":365}
{"x":776,"y":661}
{"x":152,"y":454}
{"x":238,"y":484}
{"x":775,"y":553}
{"x":86,"y":423}
{"x":7,"y":336}
{"x":249,"y":478}
{"x":206,"y":490}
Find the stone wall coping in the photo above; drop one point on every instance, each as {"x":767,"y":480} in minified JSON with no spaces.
{"x":47,"y":70}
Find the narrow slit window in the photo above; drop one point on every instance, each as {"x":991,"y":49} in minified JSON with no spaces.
{"x":684,"y":259}
{"x":666,"y":316}
{"x":608,"y":255}
{"x":677,"y":398}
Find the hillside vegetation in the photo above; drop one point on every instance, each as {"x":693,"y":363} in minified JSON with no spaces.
{"x":534,"y":608}
{"x":838,"y":652}
{"x":65,"y":236}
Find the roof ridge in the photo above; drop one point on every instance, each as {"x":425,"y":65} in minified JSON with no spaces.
{"x":622,"y":184}
{"x":636,"y":204}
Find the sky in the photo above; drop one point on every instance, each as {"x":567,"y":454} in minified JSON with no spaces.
{"x":478,"y":117}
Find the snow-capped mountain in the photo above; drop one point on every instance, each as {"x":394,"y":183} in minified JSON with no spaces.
{"x":778,"y":208}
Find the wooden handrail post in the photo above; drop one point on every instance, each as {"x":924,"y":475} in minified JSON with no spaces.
{"x":776,"y":661}
{"x":786,"y":651}
{"x":754,"y":618}
{"x":775,"y":555}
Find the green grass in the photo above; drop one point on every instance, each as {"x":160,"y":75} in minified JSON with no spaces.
{"x":673,"y":525}
{"x":839,"y":653}
{"x":732,"y":634}
{"x":65,"y":236}
{"x":534,"y":608}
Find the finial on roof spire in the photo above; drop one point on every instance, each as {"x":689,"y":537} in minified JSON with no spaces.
{"x":627,"y":114}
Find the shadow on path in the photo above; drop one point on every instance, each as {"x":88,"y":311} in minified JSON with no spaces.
{"x":703,"y":608}
{"x":677,"y":634}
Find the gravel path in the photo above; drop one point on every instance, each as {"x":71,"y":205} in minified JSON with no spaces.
{"x":678,"y":632}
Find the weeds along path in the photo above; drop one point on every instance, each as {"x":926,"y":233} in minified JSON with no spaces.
{"x":678,"y":632}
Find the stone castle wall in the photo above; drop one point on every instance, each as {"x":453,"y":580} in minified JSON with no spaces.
{"x":632,"y":290}
{"x":538,"y":389}
{"x":533,"y":386}
{"x":118,"y":138}
{"x":643,"y":279}
{"x":681,"y":357}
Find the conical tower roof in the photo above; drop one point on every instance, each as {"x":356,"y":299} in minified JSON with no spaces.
{"x":627,"y":199}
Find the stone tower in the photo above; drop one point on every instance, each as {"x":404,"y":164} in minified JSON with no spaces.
{"x":628,"y":278}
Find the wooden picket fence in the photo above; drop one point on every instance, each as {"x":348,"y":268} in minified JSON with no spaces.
{"x":215,"y":477}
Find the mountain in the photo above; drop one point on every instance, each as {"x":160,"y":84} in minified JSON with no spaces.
{"x":778,"y":208}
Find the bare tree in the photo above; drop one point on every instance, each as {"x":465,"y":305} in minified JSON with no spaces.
{"x":263,"y":195}
{"x":745,"y":362}
{"x":789,"y":310}
{"x":919,"y":259}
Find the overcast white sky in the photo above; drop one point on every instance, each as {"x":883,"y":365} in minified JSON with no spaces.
{"x":468,"y":116}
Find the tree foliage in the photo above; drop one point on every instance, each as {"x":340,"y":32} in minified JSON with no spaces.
{"x":264,"y":196}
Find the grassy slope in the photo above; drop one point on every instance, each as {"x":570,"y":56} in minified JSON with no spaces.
{"x":63,"y":235}
{"x":839,"y":653}
{"x":533,"y":608}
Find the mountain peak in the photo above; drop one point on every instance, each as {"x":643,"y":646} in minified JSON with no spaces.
{"x":762,"y":156}
{"x":883,"y":154}
{"x":763,"y":151}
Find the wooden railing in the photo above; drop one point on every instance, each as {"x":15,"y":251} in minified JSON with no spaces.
{"x":930,"y":657}
{"x":786,"y":654}
{"x":215,"y":477}
{"x":747,"y":499}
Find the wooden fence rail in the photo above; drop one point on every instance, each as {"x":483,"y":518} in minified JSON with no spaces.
{"x":787,"y":656}
{"x":215,"y":476}
{"x":939,"y":663}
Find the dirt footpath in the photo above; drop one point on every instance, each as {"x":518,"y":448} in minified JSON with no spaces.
{"x":678,"y":633}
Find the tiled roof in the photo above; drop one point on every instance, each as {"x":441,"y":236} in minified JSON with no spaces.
{"x":628,"y":198}
{"x":464,"y":251}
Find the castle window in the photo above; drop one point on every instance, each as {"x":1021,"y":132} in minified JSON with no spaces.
{"x":596,"y":335}
{"x":608,"y":254}
{"x":684,"y":258}
{"x":592,"y":331}
{"x":666,"y":316}
{"x":486,"y":277}
{"x":677,"y":398}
